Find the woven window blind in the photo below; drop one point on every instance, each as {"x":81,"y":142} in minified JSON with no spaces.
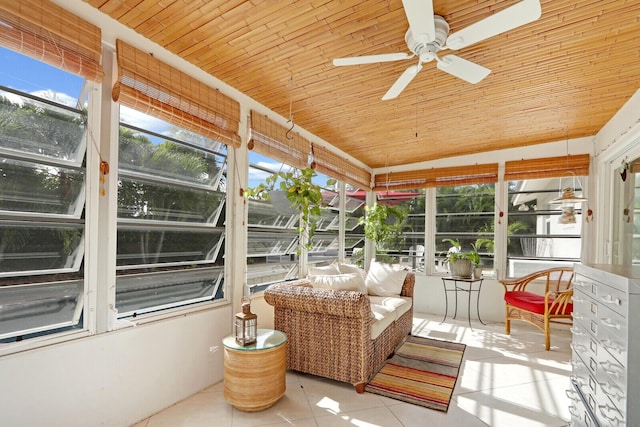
{"x":550,"y":167}
{"x":45,"y":31}
{"x":149,"y":85}
{"x":439,"y":177}
{"x":331,"y":164}
{"x":269,"y":138}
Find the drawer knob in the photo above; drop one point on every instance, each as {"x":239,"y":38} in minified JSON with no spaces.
{"x":610,"y":413}
{"x":612,"y":345}
{"x":613,"y":370}
{"x":577,"y":381}
{"x":612,"y":390}
{"x":578,"y":347}
{"x":574,"y":411}
{"x":611,"y":300}
{"x":610,"y":323}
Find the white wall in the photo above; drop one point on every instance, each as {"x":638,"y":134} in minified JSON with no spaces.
{"x":113,"y":379}
{"x":429,"y":298}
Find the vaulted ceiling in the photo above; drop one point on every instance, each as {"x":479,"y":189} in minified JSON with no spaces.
{"x":563,"y":75}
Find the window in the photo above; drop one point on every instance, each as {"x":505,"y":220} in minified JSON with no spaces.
{"x":42,"y":198}
{"x":171,"y":197}
{"x":465,"y":213}
{"x":536,"y":239}
{"x":407,"y":247}
{"x":272,"y":235}
{"x":272,"y":251}
{"x":354,"y":234}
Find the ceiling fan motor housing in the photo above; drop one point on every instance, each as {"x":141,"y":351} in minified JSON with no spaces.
{"x":426,"y":50}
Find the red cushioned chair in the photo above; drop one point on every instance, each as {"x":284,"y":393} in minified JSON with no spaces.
{"x":539,"y":308}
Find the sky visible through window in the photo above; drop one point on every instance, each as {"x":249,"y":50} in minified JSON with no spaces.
{"x":29,"y":75}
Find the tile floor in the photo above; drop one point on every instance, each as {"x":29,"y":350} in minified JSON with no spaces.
{"x":504,"y":381}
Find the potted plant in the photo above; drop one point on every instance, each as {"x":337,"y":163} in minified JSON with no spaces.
{"x":382,"y":223}
{"x":302,"y":195}
{"x":460,"y":264}
{"x":474,"y":257}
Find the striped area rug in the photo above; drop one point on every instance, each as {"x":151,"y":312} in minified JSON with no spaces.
{"x":423,"y":371}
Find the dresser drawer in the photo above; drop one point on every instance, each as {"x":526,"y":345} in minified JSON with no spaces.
{"x":604,"y":326}
{"x":605,"y":344}
{"x":614,"y":298}
{"x":580,"y":415}
{"x":610,"y":372}
{"x":585,"y":381}
{"x":586,"y":285}
{"x":597,"y":387}
{"x":615,"y":394}
{"x":584,"y":344}
{"x":612,"y":334}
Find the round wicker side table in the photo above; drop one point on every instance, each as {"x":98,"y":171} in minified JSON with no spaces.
{"x":255,"y":375}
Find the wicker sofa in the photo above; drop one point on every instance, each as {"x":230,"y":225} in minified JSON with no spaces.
{"x":330,"y":331}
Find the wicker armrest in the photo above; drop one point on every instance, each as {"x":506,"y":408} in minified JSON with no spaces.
{"x":520,"y":283}
{"x":297,"y":282}
{"x":315,"y":300}
{"x":561,"y":301}
{"x":407,"y":286}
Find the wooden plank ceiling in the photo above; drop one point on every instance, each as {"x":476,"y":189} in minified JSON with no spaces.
{"x":564,"y":75}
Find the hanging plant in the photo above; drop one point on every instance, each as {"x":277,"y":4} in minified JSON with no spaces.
{"x":303,"y":195}
{"x":383,"y":223}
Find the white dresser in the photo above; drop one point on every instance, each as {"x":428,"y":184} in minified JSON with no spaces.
{"x":606,"y":346}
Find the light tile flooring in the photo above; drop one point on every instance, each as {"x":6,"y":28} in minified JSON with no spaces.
{"x":504,"y":381}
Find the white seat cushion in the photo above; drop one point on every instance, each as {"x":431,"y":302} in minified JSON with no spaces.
{"x":386,"y":310}
{"x":397,"y":305}
{"x":384,"y":317}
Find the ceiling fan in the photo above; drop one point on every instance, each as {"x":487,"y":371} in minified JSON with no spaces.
{"x":428,"y":34}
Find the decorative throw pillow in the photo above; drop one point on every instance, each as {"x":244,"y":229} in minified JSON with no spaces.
{"x":339,"y":282}
{"x":327,"y":270}
{"x":384,"y":280}
{"x":350,"y":268}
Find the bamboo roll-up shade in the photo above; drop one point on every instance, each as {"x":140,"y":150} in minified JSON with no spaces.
{"x":549,"y":167}
{"x":438,"y":177}
{"x":277,"y":142}
{"x":331,"y":164}
{"x":149,"y":85}
{"x":45,"y":31}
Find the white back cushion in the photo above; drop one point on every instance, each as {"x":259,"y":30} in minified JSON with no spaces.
{"x":339,"y":282}
{"x":384,"y":279}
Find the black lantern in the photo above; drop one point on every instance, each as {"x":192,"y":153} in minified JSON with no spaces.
{"x":246,"y":324}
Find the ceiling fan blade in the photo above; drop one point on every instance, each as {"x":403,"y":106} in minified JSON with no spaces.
{"x":462,"y":69}
{"x":420,"y":16}
{"x":402,"y":82}
{"x":519,"y":14}
{"x":371,"y":59}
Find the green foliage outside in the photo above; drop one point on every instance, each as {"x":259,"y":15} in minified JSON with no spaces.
{"x":31,"y":127}
{"x":304,"y":195}
{"x":58,"y":134}
{"x":383,"y":224}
